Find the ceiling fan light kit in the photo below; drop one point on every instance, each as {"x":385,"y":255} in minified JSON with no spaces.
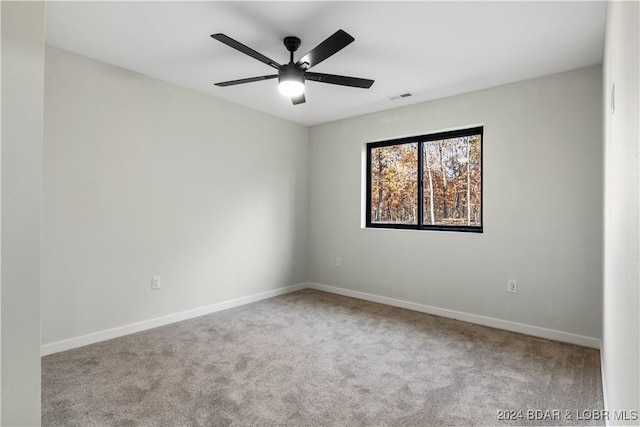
{"x":291,"y":80}
{"x":292,"y":76}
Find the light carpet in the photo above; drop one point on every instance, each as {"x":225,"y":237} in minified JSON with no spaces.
{"x":311,"y":358}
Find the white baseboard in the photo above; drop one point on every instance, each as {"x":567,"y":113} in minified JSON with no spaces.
{"x":120,"y":331}
{"x":471,"y":318}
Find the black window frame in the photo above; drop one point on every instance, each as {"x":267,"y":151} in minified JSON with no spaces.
{"x":476,"y":130}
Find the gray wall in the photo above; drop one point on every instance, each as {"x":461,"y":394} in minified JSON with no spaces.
{"x":542,"y":207}
{"x":145,"y":178}
{"x":22,"y":86}
{"x":621,"y":346}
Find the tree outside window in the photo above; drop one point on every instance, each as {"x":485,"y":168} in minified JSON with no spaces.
{"x":427,"y":182}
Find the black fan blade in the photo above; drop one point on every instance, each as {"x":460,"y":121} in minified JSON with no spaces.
{"x":339,"y":40}
{"x":245,"y":49}
{"x":339,"y":80}
{"x":298,"y":100}
{"x":249,"y":80}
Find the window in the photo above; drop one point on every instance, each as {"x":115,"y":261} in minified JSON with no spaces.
{"x":429,"y":182}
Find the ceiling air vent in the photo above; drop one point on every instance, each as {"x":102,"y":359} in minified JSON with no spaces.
{"x":404,"y":95}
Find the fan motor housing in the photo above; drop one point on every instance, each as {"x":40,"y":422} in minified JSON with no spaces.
{"x":291,"y":72}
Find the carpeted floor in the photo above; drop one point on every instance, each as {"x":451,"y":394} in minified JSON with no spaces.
{"x":315,"y":359}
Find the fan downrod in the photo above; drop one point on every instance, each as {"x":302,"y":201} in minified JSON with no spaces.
{"x":292,"y":44}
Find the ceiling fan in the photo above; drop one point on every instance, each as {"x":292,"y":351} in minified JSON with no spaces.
{"x":291,"y":76}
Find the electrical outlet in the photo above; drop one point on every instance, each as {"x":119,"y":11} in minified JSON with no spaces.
{"x":338,"y":262}
{"x":155,"y":283}
{"x":512,"y":286}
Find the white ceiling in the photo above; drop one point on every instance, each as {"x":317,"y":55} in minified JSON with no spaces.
{"x":430,"y":49}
